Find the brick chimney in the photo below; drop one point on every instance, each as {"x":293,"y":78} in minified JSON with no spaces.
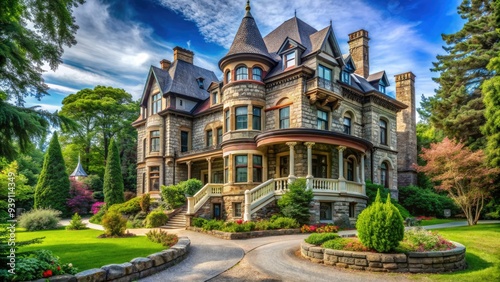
{"x":183,"y":55}
{"x":165,"y":64}
{"x":406,"y":129}
{"x":358,"y":47}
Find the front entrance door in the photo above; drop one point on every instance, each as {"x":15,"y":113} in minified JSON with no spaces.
{"x":217,"y":211}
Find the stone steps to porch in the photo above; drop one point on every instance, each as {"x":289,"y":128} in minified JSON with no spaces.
{"x":178,"y":221}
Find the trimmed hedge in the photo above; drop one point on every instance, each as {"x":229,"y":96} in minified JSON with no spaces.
{"x":319,"y":238}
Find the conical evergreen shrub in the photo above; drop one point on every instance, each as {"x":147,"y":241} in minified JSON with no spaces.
{"x":52,"y":189}
{"x":380,"y":225}
{"x":113,"y":179}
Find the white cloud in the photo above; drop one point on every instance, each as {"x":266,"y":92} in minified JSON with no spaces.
{"x":396,"y":45}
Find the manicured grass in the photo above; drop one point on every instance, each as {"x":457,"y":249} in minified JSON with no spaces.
{"x":85,"y":250}
{"x":482,"y":255}
{"x":438,"y":221}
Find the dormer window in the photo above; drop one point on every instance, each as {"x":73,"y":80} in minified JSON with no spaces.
{"x":290,"y":60}
{"x":241,"y":73}
{"x":156,"y":103}
{"x":345,"y":77}
{"x":381,"y":88}
{"x":324,"y":73}
{"x":215,"y":97}
{"x":257,"y":74}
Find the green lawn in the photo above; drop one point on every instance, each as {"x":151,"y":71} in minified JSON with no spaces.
{"x":438,"y":221}
{"x":85,"y":250}
{"x":482,"y":255}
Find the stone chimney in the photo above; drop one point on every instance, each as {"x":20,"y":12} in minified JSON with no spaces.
{"x":406,"y":129}
{"x":165,"y":64}
{"x":358,"y":47}
{"x":183,"y":55}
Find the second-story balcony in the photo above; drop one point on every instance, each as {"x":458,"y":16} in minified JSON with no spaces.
{"x":324,"y":91}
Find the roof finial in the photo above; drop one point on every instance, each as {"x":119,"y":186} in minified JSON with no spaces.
{"x":295,"y":13}
{"x":247,"y":8}
{"x":330,"y":21}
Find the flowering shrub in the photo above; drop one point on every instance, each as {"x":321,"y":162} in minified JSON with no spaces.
{"x":421,"y":240}
{"x":80,"y":199}
{"x":239,"y":221}
{"x":319,"y":228}
{"x":41,"y":264}
{"x":96,"y":207}
{"x":245,"y":226}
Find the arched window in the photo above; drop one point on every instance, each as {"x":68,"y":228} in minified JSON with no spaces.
{"x":257,"y":74}
{"x":350,"y":169}
{"x":384,"y":175}
{"x":228,"y":76}
{"x":383,"y":132}
{"x":241,"y":73}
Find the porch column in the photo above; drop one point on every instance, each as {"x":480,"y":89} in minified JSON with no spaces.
{"x":342,"y":186}
{"x":248,"y":200}
{"x":291,"y":176}
{"x":209,"y":160}
{"x":363,"y":174}
{"x":189,"y":169}
{"x":309,"y":177}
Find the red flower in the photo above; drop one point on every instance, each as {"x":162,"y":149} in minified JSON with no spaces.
{"x":239,"y":221}
{"x":47,"y":273}
{"x":59,"y":268}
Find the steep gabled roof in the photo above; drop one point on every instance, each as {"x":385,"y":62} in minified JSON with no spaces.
{"x":293,"y":28}
{"x":376,"y":77}
{"x":248,"y":39}
{"x":79,"y":170}
{"x":180,"y":78}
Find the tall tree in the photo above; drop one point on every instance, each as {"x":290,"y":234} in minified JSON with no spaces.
{"x":101,"y":113}
{"x":462,"y":173}
{"x":25,"y":48}
{"x":52,"y":189}
{"x":113,"y":179}
{"x":458,"y":106}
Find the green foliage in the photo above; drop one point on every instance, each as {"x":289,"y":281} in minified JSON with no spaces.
{"x":156,"y":218}
{"x":97,"y":218}
{"x":173,"y":196}
{"x":421,"y":240}
{"x":24,"y":193}
{"x":199,"y":222}
{"x":39,"y":219}
{"x":52,"y":189}
{"x":113,"y":179}
{"x":145,"y":203}
{"x":102,"y":113}
{"x":346,"y":244}
{"x":191,"y":186}
{"x":319,"y":238}
{"x":426,"y":202}
{"x":94,"y":182}
{"x":114,"y":223}
{"x":458,"y":108}
{"x":284,"y":222}
{"x":132,"y":206}
{"x":335,"y":244}
{"x":76,"y":223}
{"x":238,"y":227}
{"x":6,"y":244}
{"x":213,"y":224}
{"x":372,"y":190}
{"x":380,"y":225}
{"x":295,"y":202}
{"x":162,"y":237}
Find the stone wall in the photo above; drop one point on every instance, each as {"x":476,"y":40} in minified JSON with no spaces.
{"x":422,"y":262}
{"x":131,"y":271}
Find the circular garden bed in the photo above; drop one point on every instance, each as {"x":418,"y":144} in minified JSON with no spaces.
{"x":415,"y":262}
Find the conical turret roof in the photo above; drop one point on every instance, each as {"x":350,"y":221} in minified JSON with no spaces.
{"x":248,"y":39}
{"x":79,"y":170}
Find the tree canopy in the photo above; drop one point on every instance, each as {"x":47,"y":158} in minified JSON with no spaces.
{"x":462,"y":173}
{"x":33,"y":33}
{"x":458,"y":107}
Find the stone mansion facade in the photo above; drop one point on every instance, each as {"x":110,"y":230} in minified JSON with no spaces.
{"x":290,"y":105}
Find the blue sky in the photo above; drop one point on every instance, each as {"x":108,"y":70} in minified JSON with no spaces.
{"x":119,"y":40}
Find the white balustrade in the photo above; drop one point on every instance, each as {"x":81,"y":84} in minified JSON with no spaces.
{"x":354,"y":187}
{"x":325,"y":184}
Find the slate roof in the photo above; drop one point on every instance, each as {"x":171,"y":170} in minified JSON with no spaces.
{"x":248,"y":39}
{"x":181,"y":78}
{"x":293,"y":28}
{"x":79,"y":170}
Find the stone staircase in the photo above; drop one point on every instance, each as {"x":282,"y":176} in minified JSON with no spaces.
{"x":178,"y":221}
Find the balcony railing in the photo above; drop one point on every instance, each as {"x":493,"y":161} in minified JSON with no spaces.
{"x":318,"y":82}
{"x":201,"y":150}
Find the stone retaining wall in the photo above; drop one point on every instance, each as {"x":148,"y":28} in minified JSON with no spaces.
{"x":245,"y":235}
{"x":130,"y":271}
{"x":421,"y":262}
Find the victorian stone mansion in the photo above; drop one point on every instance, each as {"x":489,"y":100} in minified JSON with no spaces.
{"x":290,"y":105}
